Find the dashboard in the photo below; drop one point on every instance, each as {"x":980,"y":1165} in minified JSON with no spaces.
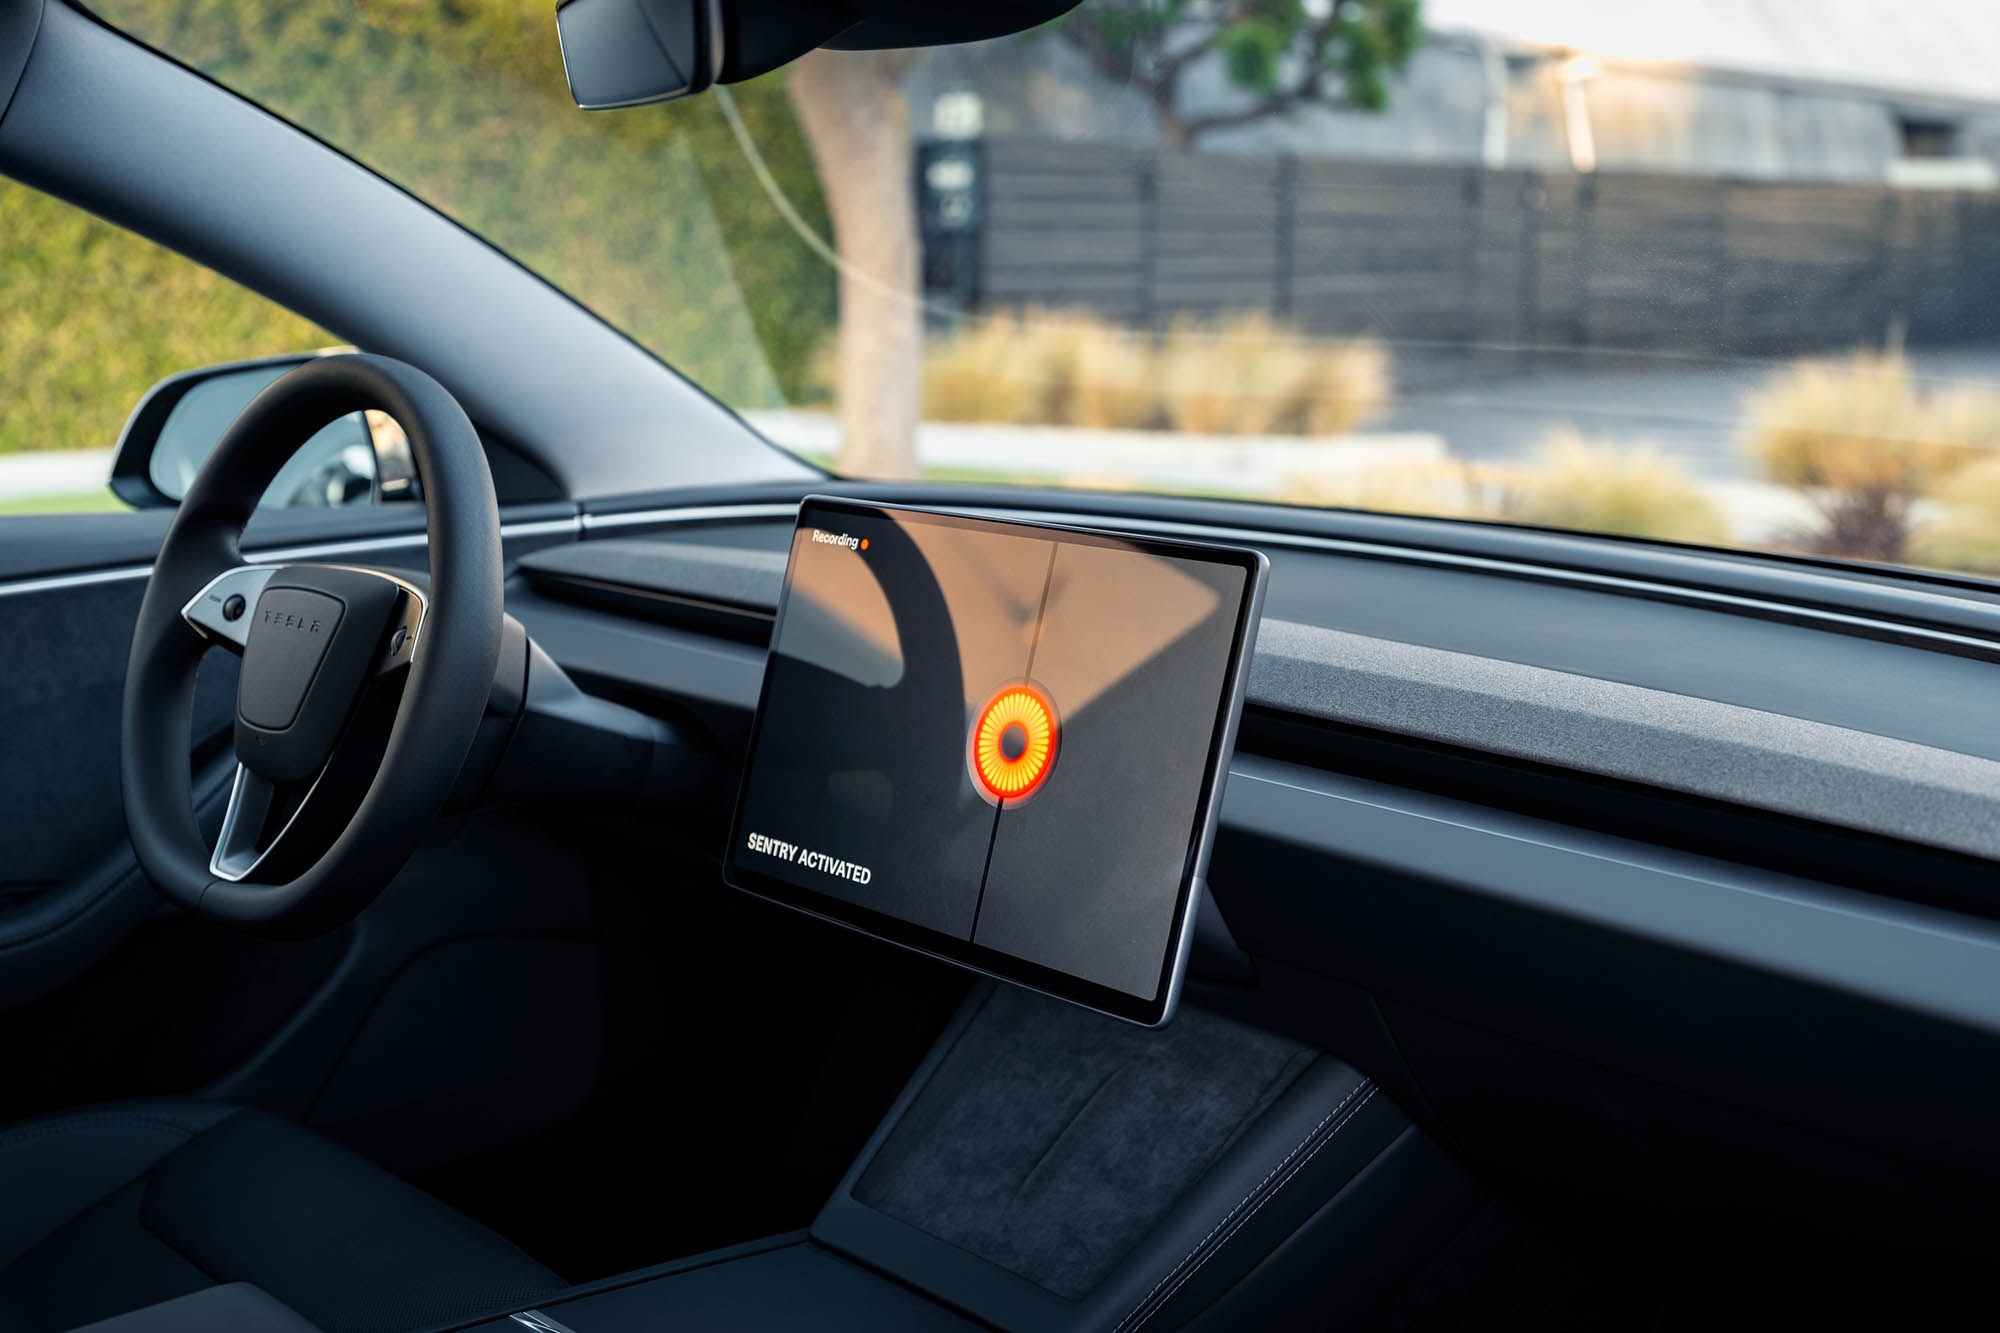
{"x":1616,"y":877}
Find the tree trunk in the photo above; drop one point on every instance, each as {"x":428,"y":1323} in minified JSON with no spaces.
{"x":1173,"y":130}
{"x":858,"y":128}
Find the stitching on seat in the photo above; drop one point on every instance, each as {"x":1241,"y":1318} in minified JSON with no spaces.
{"x":1245,"y":1219}
{"x":1360,"y":1087}
{"x":29,"y":1133}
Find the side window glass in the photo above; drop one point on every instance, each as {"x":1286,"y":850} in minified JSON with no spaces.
{"x":91,"y":316}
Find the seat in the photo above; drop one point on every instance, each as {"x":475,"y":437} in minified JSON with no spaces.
{"x":109,"y":1208}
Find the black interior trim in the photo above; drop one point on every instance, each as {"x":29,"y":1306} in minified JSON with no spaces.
{"x":745,"y":624}
{"x":1786,"y":844}
{"x":39,"y":546}
{"x":1814,"y":1005}
{"x":1917,"y":598}
{"x":1858,"y":734}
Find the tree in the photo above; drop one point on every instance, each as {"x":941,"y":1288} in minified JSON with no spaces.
{"x":855,"y":121}
{"x":1284,"y":53}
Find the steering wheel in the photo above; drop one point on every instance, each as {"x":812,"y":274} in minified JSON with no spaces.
{"x":360,"y":692}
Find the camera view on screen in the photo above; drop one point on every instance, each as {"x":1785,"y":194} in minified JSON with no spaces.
{"x":999,"y":735}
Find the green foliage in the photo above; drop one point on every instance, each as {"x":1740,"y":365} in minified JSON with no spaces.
{"x":1251,"y":49}
{"x":91,"y":316}
{"x":1128,"y":27}
{"x":650,"y":216}
{"x":1281,"y":50}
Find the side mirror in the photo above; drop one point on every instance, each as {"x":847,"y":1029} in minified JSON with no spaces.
{"x":362,"y":458}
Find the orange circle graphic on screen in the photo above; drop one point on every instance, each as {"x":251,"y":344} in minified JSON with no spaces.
{"x":1014,"y":743}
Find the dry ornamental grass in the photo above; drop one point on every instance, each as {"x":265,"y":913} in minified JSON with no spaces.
{"x":1864,"y":440}
{"x":1569,"y":482}
{"x":1629,"y":490}
{"x":1243,"y":375}
{"x":1966,"y":533}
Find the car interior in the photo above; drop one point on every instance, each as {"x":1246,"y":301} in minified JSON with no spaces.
{"x":1577,"y":931}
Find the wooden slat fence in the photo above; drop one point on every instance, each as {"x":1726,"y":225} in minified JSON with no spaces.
{"x":1467,"y":255}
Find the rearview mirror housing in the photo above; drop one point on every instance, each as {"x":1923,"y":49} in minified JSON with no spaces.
{"x":619,"y":53}
{"x":361,"y":458}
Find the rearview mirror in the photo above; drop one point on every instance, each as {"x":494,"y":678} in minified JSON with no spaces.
{"x":361,"y":458}
{"x":628,"y":52}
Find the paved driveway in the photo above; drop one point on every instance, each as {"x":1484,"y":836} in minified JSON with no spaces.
{"x":1500,"y":407}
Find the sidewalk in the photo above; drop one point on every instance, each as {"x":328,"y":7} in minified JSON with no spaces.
{"x":1253,"y":466}
{"x":30,"y":476}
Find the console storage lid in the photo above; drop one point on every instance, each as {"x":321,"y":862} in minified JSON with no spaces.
{"x":1050,"y":1168}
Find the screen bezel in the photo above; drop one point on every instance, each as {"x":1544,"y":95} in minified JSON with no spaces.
{"x":1150,"y":1010}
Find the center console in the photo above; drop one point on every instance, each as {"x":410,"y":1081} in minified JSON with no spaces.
{"x":1052,"y":1168}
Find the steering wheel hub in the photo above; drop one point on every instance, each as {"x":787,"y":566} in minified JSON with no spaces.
{"x":317,"y":636}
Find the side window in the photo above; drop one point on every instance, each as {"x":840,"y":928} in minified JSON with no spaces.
{"x":91,"y":316}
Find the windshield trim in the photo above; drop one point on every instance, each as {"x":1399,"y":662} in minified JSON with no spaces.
{"x":1871,"y":601}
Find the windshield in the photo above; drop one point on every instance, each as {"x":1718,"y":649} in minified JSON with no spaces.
{"x":1673,"y":272}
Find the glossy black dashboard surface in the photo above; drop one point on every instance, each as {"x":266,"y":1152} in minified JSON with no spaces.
{"x":1810,"y":718}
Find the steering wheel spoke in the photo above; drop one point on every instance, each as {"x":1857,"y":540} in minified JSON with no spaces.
{"x":225,"y":610}
{"x":248,"y":838}
{"x":221,"y":611}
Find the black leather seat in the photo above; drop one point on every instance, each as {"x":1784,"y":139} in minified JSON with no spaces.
{"x":109,"y":1208}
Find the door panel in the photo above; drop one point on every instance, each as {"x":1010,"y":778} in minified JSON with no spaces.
{"x":69,"y":886}
{"x":64,"y":669}
{"x":107,"y":992}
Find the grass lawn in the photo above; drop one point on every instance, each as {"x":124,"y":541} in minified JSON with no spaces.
{"x":84,"y":502}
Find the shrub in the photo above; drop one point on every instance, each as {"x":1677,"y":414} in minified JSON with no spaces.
{"x":1046,"y":367}
{"x":987,"y":371}
{"x":1350,"y":384}
{"x":1247,"y":375}
{"x":1098,"y":374}
{"x":91,"y":316}
{"x":1250,"y":375}
{"x":1438,"y":488}
{"x":1569,"y":483}
{"x":1862,"y":439}
{"x":1239,"y":377}
{"x":1966,"y":535}
{"x":1629,"y":490}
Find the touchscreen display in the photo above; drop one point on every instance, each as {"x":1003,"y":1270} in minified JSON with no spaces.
{"x":998,"y":742}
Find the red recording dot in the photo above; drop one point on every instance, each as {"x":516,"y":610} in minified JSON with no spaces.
{"x":864,"y":543}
